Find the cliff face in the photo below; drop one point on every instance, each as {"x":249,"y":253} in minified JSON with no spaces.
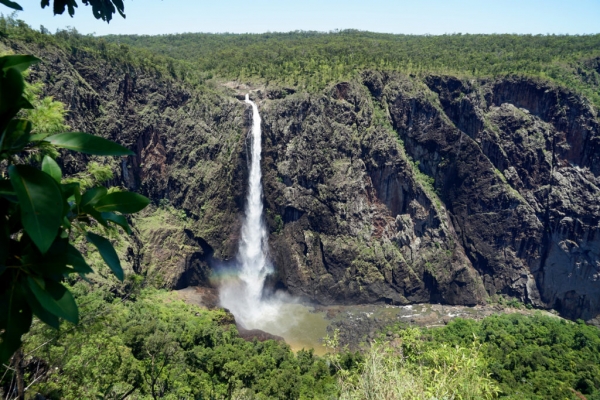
{"x":387,"y":188}
{"x":501,"y":195}
{"x":190,"y":156}
{"x":360,"y":224}
{"x":546,"y":143}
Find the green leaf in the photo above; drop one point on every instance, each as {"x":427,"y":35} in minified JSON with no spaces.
{"x":24,"y":103}
{"x":7,"y":191}
{"x":117,"y":219}
{"x":6,"y":188}
{"x":11,"y":90}
{"x":55,"y":298}
{"x":97,"y":216}
{"x":41,"y":204}
{"x":59,"y":6}
{"x":54,"y":262}
{"x":50,"y":167}
{"x":124,"y":202}
{"x":4,"y":243}
{"x":75,"y":259}
{"x":54,"y":269}
{"x":108,"y":253}
{"x":37,"y":137}
{"x":15,"y":320}
{"x":20,"y":61}
{"x":16,"y":135}
{"x":89,"y":144}
{"x":72,"y":191}
{"x":91,"y":196}
{"x":39,"y":311}
{"x":11,"y":4}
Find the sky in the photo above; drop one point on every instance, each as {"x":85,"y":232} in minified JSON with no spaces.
{"x":433,"y":17}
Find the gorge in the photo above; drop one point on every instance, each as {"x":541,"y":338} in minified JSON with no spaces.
{"x":386,"y":188}
{"x":300,"y":215}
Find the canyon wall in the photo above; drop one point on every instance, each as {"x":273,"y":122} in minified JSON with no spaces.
{"x":386,"y":188}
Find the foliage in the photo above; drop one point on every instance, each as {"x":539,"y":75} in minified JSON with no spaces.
{"x":41,"y":214}
{"x":156,"y":346}
{"x":313,"y":60}
{"x":149,"y":344}
{"x":102,"y":9}
{"x":536,"y":357}
{"x":529,"y":356}
{"x":47,"y":115}
{"x":407,"y":368}
{"x":82,"y":45}
{"x":94,"y":175}
{"x":152,"y":345}
{"x":516,"y":356}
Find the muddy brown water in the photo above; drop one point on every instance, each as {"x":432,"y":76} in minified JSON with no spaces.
{"x":303,"y":326}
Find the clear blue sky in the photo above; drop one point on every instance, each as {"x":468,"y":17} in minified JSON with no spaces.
{"x":392,"y":16}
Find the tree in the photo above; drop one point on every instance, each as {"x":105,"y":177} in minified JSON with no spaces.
{"x":102,"y":9}
{"x":40,"y":215}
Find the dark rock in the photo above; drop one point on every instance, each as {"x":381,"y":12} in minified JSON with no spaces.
{"x":250,"y":335}
{"x":389,"y":189}
{"x":201,"y":296}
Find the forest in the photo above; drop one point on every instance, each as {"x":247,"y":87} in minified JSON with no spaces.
{"x":135,"y":340}
{"x":146,"y":343}
{"x":311,"y":61}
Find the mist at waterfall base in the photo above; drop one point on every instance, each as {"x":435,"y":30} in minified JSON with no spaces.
{"x":241,"y":289}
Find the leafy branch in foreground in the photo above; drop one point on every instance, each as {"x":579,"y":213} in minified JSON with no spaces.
{"x":102,"y":9}
{"x":39,"y":215}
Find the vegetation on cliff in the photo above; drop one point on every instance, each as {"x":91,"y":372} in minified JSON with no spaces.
{"x":313,"y":60}
{"x":146,"y":344}
{"x":42,"y":213}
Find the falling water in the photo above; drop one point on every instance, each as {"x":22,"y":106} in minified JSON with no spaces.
{"x":243,"y":297}
{"x":242,"y":293}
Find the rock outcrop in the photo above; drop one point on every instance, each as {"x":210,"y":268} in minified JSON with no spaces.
{"x":389,"y":188}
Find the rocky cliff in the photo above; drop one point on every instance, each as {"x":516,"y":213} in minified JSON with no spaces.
{"x":388,"y":188}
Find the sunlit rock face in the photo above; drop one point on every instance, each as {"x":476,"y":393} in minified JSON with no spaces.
{"x":388,"y":188}
{"x":399,"y":190}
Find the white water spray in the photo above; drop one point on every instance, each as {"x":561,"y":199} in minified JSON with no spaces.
{"x":243,"y":297}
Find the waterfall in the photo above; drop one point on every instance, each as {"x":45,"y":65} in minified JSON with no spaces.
{"x":243,"y":296}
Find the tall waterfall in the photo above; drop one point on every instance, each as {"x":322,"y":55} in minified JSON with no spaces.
{"x":243,"y":297}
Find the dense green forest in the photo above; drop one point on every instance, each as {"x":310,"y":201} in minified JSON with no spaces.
{"x":312,"y":60}
{"x":134,"y":341}
{"x":146,"y":343}
{"x":149,"y":344}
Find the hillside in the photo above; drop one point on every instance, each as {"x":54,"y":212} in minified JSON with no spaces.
{"x":384,"y":188}
{"x":314,"y":60}
{"x":407,"y":174}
